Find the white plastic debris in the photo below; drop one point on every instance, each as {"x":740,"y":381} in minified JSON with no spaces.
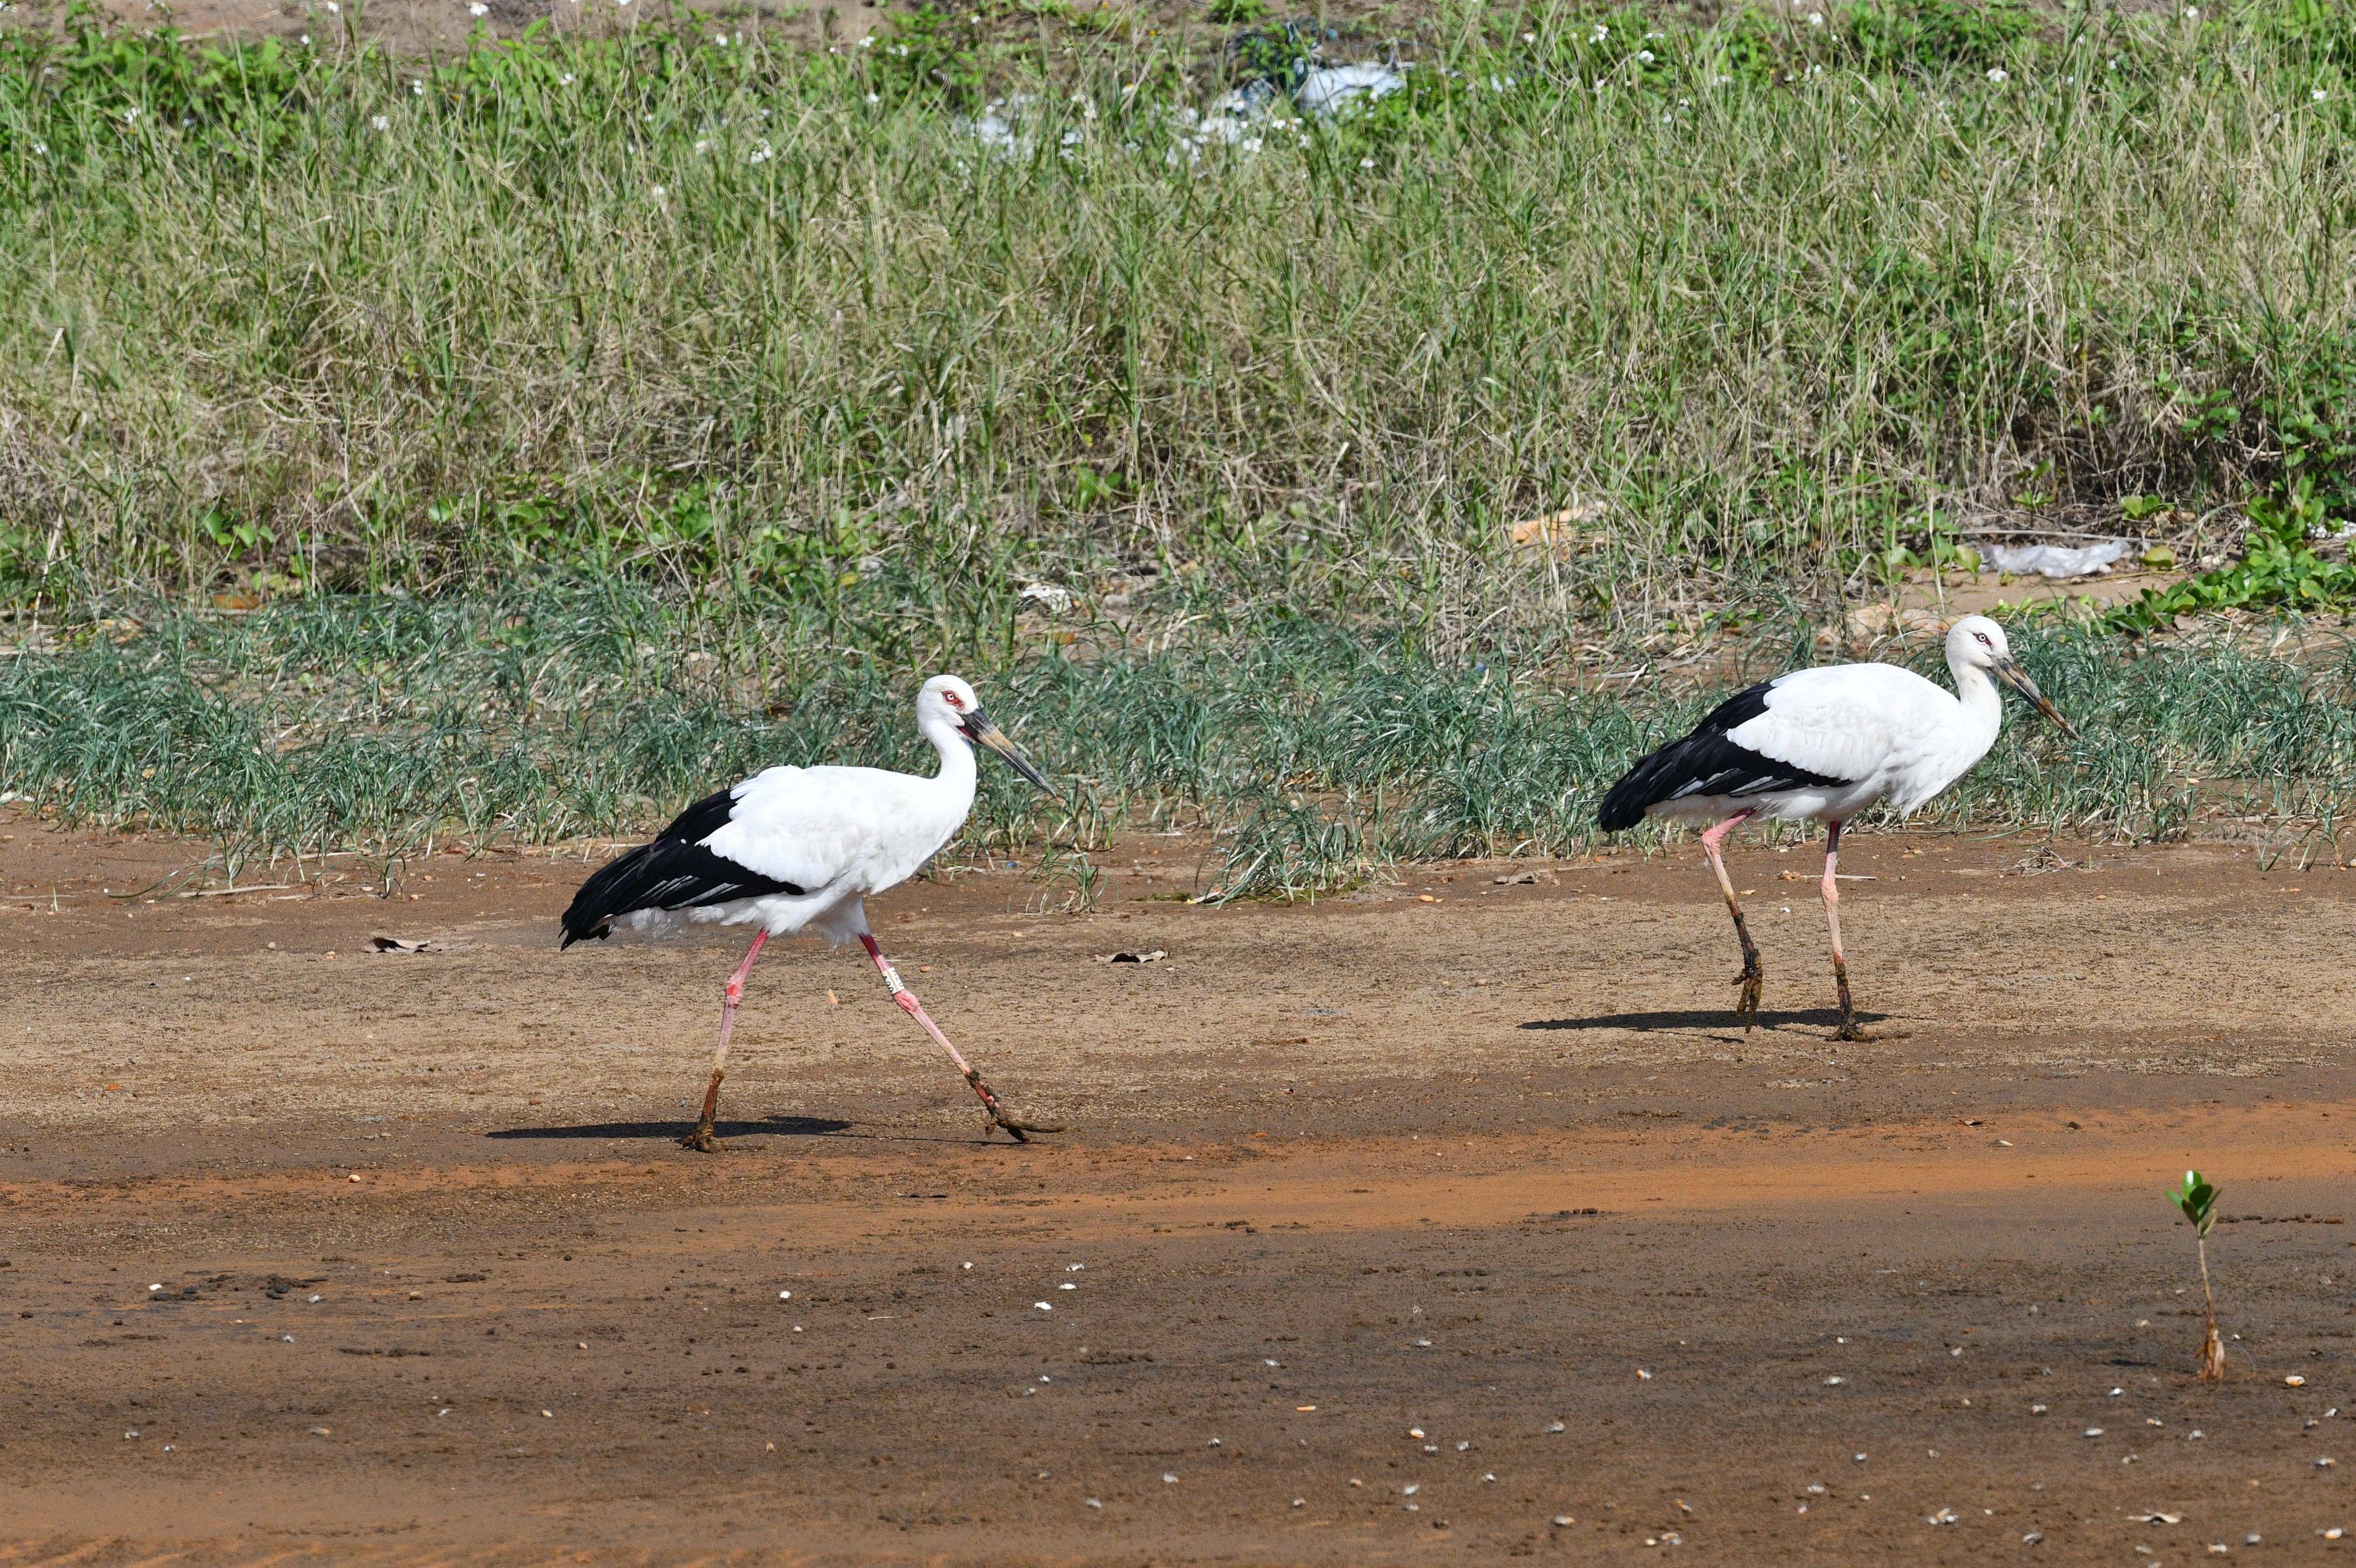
{"x":1325,"y":90}
{"x":996,"y":128}
{"x":2059,"y":561}
{"x":1052,"y":597}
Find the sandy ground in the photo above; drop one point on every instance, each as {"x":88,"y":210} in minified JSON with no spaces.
{"x":315,"y":1256}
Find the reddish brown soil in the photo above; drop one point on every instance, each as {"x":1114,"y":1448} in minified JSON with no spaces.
{"x":1472,"y":1167}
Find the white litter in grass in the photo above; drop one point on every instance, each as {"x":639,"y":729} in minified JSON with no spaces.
{"x":2059,"y":561}
{"x":1052,"y":597}
{"x":1327,"y":90}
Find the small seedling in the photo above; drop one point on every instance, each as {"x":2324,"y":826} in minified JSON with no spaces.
{"x":2198,"y":1200}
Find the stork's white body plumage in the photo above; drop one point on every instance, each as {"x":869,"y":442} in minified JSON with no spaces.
{"x":839,"y":833}
{"x":1873,"y":729}
{"x":1824,"y":745}
{"x":799,"y":849}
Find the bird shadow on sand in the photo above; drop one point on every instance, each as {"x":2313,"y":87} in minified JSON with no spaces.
{"x":1714,"y":1019}
{"x":672,"y":1132}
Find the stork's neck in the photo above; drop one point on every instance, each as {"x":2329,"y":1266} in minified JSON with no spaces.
{"x":1982,"y":705}
{"x":957,"y":754}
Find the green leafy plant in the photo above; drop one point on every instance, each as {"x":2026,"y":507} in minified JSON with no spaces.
{"x":2196,"y":1199}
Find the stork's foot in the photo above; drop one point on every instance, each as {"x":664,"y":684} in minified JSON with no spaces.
{"x":1746,"y":1004}
{"x":1848,"y":1030}
{"x":701,"y":1140}
{"x":1019,"y":1131}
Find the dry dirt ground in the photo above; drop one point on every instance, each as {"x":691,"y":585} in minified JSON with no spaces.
{"x":1387,"y":1230}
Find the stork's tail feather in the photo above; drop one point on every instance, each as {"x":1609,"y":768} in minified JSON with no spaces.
{"x":1654,"y":778}
{"x":611,"y":891}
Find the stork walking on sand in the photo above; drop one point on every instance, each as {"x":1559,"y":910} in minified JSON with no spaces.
{"x":1826,"y":743}
{"x":799,"y":849}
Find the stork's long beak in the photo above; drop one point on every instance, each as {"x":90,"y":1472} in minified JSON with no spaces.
{"x":2013,"y":675}
{"x":982,"y":733}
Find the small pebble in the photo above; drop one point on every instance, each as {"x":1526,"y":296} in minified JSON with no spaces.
{"x":1557,"y":1426}
{"x":2294,"y":1381}
{"x":129,"y":1436}
{"x":788,"y":1295}
{"x":1169,"y":1477}
{"x":1043,"y":1306}
{"x":1563,"y":1519}
{"x":2094,"y":1431}
{"x":1093,"y":1502}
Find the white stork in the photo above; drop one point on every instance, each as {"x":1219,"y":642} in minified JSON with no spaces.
{"x":799,"y":849}
{"x":1826,"y":743}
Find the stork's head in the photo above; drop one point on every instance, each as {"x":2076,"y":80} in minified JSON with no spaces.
{"x":947,"y":702}
{"x":1977,"y":643}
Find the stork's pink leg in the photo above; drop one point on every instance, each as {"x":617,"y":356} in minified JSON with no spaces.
{"x":702,"y":1138}
{"x":915,"y":1009}
{"x":1848,"y":1029}
{"x":1746,"y":1006}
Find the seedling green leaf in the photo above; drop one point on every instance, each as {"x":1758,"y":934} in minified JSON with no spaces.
{"x":2196,"y":1198}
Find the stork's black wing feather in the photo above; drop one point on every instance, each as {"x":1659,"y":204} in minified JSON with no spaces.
{"x":1705,"y":763}
{"x":675,"y":871}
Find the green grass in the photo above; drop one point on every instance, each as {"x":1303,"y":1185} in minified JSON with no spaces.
{"x":392,"y":726}
{"x":772,"y":327}
{"x":598,"y":419}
